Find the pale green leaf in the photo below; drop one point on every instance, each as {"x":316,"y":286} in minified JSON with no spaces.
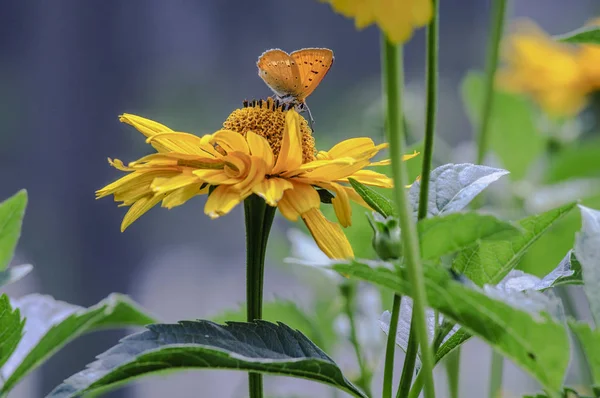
{"x":587,"y":250}
{"x":590,"y":344}
{"x":259,"y":346}
{"x":12,"y":211}
{"x":585,"y":35}
{"x":11,"y":329}
{"x":374,"y":199}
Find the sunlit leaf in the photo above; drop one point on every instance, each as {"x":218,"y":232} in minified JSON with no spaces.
{"x":260,"y":346}
{"x":12,"y":211}
{"x":454,"y":186}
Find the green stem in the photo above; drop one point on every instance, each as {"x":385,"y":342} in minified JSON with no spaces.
{"x":452,"y":372}
{"x":349,"y":292}
{"x":259,"y":218}
{"x":493,"y":45}
{"x":496,"y":374}
{"x":388,"y":370}
{"x":408,"y":370}
{"x":393,"y":88}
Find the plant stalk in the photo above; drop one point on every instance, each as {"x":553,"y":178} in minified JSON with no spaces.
{"x":496,"y":374}
{"x":452,"y":372}
{"x":258,"y":218}
{"x":390,"y":347}
{"x":393,"y":76}
{"x":493,"y":46}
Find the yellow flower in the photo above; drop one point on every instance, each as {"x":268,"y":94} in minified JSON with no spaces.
{"x":589,"y":59}
{"x":548,"y":71}
{"x":396,"y":18}
{"x":263,"y":149}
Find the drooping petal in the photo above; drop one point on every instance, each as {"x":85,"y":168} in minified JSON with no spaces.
{"x":182,"y":195}
{"x":341,"y":203}
{"x":260,"y":148}
{"x":272,"y":189}
{"x":141,"y":206}
{"x":164,"y":185}
{"x":183,"y":143}
{"x":231,"y":141}
{"x":256,"y":174}
{"x":215,"y":177}
{"x":329,"y":236}
{"x":298,"y":200}
{"x":222,"y":200}
{"x":132,"y":181}
{"x":290,"y":154}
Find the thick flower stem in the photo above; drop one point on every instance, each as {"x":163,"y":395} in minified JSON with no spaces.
{"x":259,"y":218}
{"x":393,"y":88}
{"x":493,"y":46}
{"x":388,"y":371}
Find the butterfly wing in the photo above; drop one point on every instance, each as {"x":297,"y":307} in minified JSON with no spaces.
{"x":313,"y":65}
{"x":280,"y":72}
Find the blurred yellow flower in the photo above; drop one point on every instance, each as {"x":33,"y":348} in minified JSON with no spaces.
{"x":589,"y":59}
{"x":263,"y":149}
{"x":548,"y":71}
{"x":396,"y":18}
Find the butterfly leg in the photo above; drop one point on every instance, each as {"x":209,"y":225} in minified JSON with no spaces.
{"x":302,"y":107}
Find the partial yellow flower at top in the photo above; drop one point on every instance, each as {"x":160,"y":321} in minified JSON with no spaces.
{"x":548,"y":71}
{"x":589,"y":59}
{"x":263,"y":149}
{"x":396,"y":18}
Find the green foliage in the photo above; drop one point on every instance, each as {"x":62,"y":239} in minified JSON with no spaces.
{"x":575,"y":161}
{"x":512,"y":132}
{"x":12,"y":211}
{"x":57,"y":323}
{"x":590,"y":342}
{"x":490,"y":261}
{"x":259,"y":347}
{"x":11,"y":329}
{"x":587,"y":250}
{"x":585,"y":35}
{"x":454,"y":186}
{"x":378,"y":202}
{"x":451,"y":233}
{"x":14,"y":273}
{"x":538,"y":343}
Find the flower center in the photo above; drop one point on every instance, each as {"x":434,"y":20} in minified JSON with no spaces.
{"x":267,"y":119}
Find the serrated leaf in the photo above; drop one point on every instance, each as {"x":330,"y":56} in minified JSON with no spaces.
{"x":11,"y":329}
{"x":512,"y":131}
{"x":539,"y":344}
{"x":453,"y":186}
{"x":12,"y":211}
{"x":14,"y":273}
{"x":454,"y":232}
{"x":490,"y":261}
{"x":590,"y":343}
{"x":587,"y":250}
{"x":259,"y":346}
{"x":585,"y":35}
{"x":374,"y":199}
{"x":51,"y":324}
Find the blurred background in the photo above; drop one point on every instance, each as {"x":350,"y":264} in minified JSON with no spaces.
{"x":69,"y":68}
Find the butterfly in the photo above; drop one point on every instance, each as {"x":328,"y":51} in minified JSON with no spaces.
{"x":293,"y":77}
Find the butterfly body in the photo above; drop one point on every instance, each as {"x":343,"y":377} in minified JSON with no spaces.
{"x":293,"y":77}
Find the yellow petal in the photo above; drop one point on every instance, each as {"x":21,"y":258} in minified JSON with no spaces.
{"x":298,"y":200}
{"x":164,"y":185}
{"x":422,"y":12}
{"x":182,"y":143}
{"x":231,"y":141}
{"x":328,"y":235}
{"x":410,"y":156}
{"x":341,"y":205}
{"x":141,"y":206}
{"x":182,"y":195}
{"x":133,"y":181}
{"x":315,"y":164}
{"x":272,"y":189}
{"x":256,"y":174}
{"x":370,"y":177}
{"x":351,"y":148}
{"x":260,"y":148}
{"x":290,"y":154}
{"x":221,"y":201}
{"x":215,"y":177}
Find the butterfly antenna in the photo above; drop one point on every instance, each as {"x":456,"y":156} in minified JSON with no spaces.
{"x":312,"y":121}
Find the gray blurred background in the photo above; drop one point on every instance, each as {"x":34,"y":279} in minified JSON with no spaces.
{"x":69,"y":68}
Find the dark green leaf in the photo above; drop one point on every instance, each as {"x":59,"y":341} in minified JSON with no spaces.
{"x":454,"y":232}
{"x":585,"y":35}
{"x":14,"y":273}
{"x":259,"y":347}
{"x":325,"y":196}
{"x":378,"y":202}
{"x":51,"y":324}
{"x":537,"y":343}
{"x":490,"y":261}
{"x":587,"y":250}
{"x":454,"y":186}
{"x":12,"y":211}
{"x":11,"y":329}
{"x":512,"y":132}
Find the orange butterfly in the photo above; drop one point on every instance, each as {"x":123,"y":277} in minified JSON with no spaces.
{"x":293,"y":77}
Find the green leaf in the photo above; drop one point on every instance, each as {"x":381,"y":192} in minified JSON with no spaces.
{"x":590,"y":342}
{"x":12,"y":211}
{"x":582,"y":159}
{"x":569,"y":263}
{"x":259,"y":346}
{"x":453,"y":342}
{"x":490,"y":261}
{"x":378,"y":202}
{"x":14,"y":273}
{"x":587,"y":250}
{"x":454,"y":232}
{"x":537,"y":343}
{"x":585,"y":35}
{"x":51,"y":324}
{"x":454,"y":186}
{"x":11,"y":329}
{"x":283,"y":311}
{"x":512,"y":132}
